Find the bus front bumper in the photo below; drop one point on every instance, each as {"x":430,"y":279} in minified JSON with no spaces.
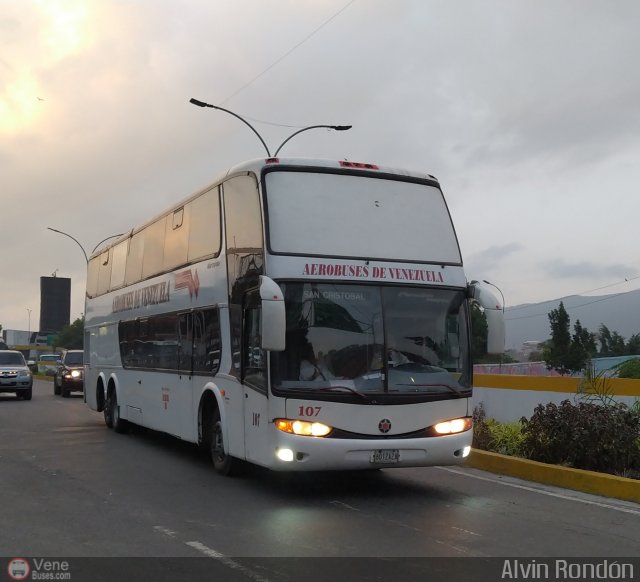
{"x":302,"y":453}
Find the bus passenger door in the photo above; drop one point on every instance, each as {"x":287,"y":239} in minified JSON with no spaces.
{"x":177,"y":390}
{"x":254,"y":380}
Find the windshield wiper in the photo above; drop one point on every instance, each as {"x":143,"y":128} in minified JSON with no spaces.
{"x":342,"y":389}
{"x":458,"y":392}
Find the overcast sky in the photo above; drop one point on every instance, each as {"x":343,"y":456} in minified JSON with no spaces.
{"x":528,"y":112}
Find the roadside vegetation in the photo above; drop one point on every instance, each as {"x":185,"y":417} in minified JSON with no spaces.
{"x":595,"y":434}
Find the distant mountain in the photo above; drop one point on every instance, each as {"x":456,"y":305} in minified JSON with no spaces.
{"x":619,"y":312}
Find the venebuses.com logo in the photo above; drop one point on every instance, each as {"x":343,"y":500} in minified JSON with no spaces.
{"x":38,"y":569}
{"x":18,"y":569}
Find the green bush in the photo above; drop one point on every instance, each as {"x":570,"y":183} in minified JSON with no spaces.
{"x":494,"y":436}
{"x":481,"y":432}
{"x":506,"y":438}
{"x":585,"y":436}
{"x":629,"y":368}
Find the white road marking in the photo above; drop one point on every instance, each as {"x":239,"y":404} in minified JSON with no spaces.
{"x":543,"y":492}
{"x":165,"y":531}
{"x":228,"y":562}
{"x":211,"y":553}
{"x":466,"y":531}
{"x":343,"y":504}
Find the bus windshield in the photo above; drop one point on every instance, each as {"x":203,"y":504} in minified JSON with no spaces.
{"x":367,"y":340}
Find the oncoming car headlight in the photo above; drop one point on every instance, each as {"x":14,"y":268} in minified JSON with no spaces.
{"x":303,"y":427}
{"x":453,"y":426}
{"x":24,"y":374}
{"x":75,"y":373}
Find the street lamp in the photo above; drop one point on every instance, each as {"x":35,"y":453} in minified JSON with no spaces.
{"x":86,"y":258}
{"x":106,"y":239}
{"x":74,"y":240}
{"x":29,"y":332}
{"x":498,"y":288}
{"x":336,"y":127}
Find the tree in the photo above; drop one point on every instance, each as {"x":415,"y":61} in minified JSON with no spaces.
{"x":72,"y":336}
{"x":633,"y":345}
{"x":582,"y":348}
{"x":479,"y":331}
{"x":556,"y":353}
{"x":618,"y":347}
{"x":586,"y":339}
{"x":604,"y":337}
{"x":563,"y":352}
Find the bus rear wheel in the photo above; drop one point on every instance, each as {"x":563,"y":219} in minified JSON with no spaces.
{"x":112,"y":413}
{"x":223,"y":463}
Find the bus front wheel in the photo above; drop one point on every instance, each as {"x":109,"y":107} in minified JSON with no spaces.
{"x":222,"y":463}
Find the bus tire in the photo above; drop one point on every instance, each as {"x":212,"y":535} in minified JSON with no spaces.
{"x":112,"y":413}
{"x":108,"y":420}
{"x":223,"y":464}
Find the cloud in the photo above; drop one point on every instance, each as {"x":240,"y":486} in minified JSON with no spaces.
{"x":492,"y":256}
{"x":561,"y":269}
{"x":527,"y":115}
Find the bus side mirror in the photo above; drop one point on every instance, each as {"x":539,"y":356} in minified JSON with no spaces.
{"x":493,"y":311}
{"x":274,"y":320}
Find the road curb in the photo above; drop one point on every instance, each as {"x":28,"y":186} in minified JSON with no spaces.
{"x":567,"y":477}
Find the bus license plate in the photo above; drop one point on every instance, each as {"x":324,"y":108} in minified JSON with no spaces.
{"x":384,"y":456}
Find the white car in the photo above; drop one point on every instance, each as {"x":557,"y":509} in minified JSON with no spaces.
{"x":48,"y":364}
{"x":15,"y":376}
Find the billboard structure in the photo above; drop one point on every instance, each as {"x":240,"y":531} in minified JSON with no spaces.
{"x":55,"y":304}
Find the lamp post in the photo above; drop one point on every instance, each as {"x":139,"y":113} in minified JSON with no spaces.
{"x":336,"y":127}
{"x":203,"y":104}
{"x":502,"y":295}
{"x":29,"y":328}
{"x":86,"y":259}
{"x":105,"y":240}
{"x":498,"y":288}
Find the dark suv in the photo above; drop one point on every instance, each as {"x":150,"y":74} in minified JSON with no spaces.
{"x":69,"y":375}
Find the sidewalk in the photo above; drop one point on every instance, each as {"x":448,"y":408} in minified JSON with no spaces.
{"x":586,"y":481}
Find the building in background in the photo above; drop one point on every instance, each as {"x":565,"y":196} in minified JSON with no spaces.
{"x":55,"y":304}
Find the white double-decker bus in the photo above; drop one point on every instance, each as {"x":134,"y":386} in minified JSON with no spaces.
{"x":298,"y":314}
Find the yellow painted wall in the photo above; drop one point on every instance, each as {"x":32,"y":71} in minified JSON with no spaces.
{"x":619,"y":386}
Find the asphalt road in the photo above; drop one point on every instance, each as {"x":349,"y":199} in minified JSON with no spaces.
{"x":71,"y":487}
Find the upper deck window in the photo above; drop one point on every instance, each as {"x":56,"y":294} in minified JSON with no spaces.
{"x":342,"y":215}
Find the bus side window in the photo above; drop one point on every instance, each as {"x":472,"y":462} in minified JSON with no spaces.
{"x":185,"y":342}
{"x":253,"y":356}
{"x":206,"y":341}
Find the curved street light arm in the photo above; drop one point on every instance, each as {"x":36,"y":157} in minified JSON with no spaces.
{"x":73,"y":239}
{"x":498,"y":288}
{"x":336,"y":127}
{"x":106,"y":239}
{"x":203,"y":104}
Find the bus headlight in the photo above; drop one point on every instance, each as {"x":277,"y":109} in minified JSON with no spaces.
{"x":454,"y":426}
{"x":285,"y":455}
{"x":303,"y":427}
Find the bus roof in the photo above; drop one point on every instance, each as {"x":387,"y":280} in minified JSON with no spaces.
{"x":257,"y":165}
